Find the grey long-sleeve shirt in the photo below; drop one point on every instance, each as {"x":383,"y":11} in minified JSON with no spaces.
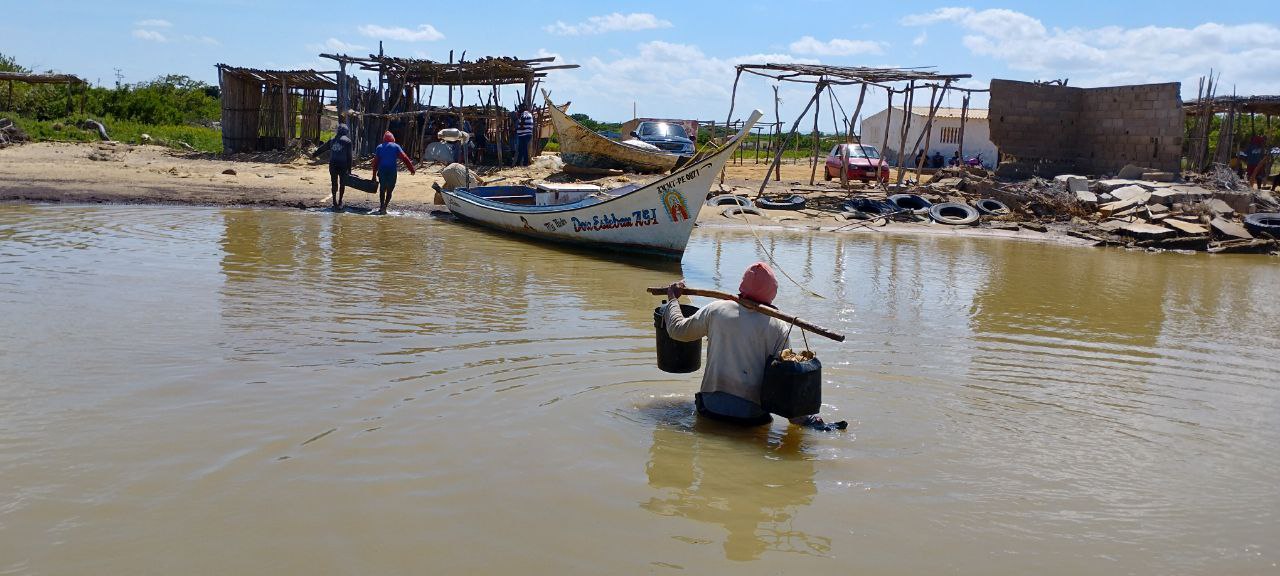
{"x":740,"y":343}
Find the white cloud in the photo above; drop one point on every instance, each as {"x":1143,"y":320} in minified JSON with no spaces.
{"x":335,"y":45}
{"x":920,"y":39}
{"x":835,"y":47}
{"x":671,"y":80}
{"x":424,"y":33}
{"x":615,"y":22}
{"x":153,"y":23}
{"x":1114,"y":55}
{"x":149,"y":35}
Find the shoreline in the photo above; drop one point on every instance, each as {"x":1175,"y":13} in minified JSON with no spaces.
{"x":117,"y":173}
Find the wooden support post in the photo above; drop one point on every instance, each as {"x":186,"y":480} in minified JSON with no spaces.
{"x":284,"y":112}
{"x":935,"y":100}
{"x":862,"y":95}
{"x":817,"y":109}
{"x":68,"y":113}
{"x":777,"y":130}
{"x":888,"y":124}
{"x":778,"y":156}
{"x":906,"y":129}
{"x":964,"y":116}
{"x":343,"y":89}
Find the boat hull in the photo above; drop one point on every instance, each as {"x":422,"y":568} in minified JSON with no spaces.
{"x":655,"y":218}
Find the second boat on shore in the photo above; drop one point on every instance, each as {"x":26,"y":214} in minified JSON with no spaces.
{"x":583,"y":149}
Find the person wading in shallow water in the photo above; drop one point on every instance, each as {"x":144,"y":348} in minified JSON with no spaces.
{"x":740,"y":342}
{"x":384,"y":168}
{"x":339,"y":148}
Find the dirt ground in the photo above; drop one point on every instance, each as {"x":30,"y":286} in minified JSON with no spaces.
{"x":112,"y":172}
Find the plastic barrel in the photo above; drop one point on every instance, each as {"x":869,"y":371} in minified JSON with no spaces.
{"x":675,"y":356}
{"x":792,"y":388}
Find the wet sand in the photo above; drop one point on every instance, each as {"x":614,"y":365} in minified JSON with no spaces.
{"x":119,"y":173}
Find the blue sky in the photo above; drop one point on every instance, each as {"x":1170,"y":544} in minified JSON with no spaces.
{"x":667,"y":58}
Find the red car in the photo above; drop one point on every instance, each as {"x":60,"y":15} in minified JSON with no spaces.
{"x":864,"y":162}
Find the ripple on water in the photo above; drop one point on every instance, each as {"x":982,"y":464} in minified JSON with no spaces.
{"x":269,"y":371}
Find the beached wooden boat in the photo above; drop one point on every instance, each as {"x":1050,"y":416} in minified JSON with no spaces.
{"x":653,"y":218}
{"x":582,"y":148}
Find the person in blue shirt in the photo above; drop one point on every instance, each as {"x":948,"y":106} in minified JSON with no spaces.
{"x":524,"y":137}
{"x":384,"y":168}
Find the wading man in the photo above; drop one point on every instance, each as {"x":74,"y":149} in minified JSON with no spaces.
{"x":339,"y":148}
{"x":384,"y":168}
{"x":739,"y":344}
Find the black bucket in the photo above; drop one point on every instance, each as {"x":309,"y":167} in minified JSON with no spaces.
{"x":792,"y":388}
{"x":352,"y":181}
{"x":675,"y":356}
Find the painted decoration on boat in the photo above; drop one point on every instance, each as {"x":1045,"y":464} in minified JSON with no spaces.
{"x":673,"y":201}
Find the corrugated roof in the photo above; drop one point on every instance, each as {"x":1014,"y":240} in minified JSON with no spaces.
{"x":974,"y":113}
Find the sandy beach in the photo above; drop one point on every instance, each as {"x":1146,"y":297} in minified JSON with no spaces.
{"x":120,"y":173}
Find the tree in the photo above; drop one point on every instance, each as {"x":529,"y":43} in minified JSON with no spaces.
{"x":9,"y":64}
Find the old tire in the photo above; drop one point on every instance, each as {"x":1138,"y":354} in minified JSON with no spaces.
{"x":912,"y":202}
{"x":730,"y":200}
{"x":992,"y":207}
{"x":953,"y":213}
{"x":738,"y":210}
{"x":795,"y":202}
{"x":1265,"y":224}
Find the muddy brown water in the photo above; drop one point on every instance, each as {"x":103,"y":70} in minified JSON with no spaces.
{"x":236,"y":391}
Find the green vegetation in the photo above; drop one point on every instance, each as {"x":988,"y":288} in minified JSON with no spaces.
{"x":596,"y":126}
{"x":171,"y":109}
{"x":201,"y":138}
{"x":1245,"y":128}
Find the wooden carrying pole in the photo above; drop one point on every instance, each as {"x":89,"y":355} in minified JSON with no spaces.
{"x":766,"y":310}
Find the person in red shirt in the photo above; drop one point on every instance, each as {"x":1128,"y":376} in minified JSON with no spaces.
{"x":384,"y":168}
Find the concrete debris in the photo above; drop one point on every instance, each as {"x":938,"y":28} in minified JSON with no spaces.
{"x":1146,"y":231}
{"x":1219,"y":207}
{"x":1242,"y":247}
{"x":1086,"y":196}
{"x":1131,"y":172}
{"x":1130,"y":192}
{"x":1230,"y":229}
{"x":1186,"y":227}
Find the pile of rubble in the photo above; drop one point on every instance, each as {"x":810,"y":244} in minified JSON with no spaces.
{"x":1139,"y":208}
{"x":10,"y":133}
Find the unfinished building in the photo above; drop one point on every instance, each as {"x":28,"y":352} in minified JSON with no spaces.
{"x":1051,"y":129}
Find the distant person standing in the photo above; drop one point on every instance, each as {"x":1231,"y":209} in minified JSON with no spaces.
{"x":524,"y":136}
{"x":384,"y":168}
{"x":340,"y":152}
{"x":1253,"y":161}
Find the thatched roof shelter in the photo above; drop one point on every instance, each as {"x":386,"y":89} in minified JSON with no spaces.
{"x":259,"y":106}
{"x":846,"y":75}
{"x":34,"y":78}
{"x":403,"y":105}
{"x":1265,"y":105}
{"x":824,"y":77}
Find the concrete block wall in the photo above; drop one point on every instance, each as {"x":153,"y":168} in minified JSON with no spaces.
{"x":1099,"y":130}
{"x":1140,"y":125}
{"x":1033,"y":120}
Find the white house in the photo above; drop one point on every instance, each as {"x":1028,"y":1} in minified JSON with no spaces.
{"x":946,"y":133}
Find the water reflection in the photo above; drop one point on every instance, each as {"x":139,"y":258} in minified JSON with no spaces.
{"x":750,"y":481}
